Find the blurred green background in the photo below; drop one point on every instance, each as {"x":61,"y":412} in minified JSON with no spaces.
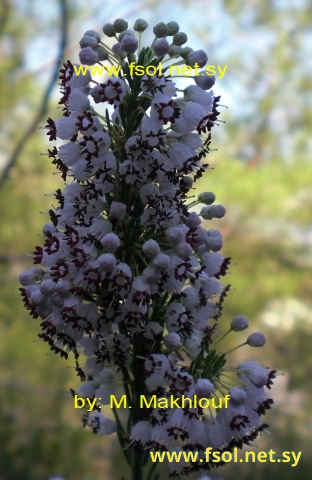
{"x":261,"y":173}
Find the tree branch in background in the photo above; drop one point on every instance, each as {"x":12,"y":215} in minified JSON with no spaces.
{"x":5,"y":8}
{"x":45,"y":99}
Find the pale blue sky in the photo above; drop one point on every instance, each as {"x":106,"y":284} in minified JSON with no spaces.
{"x":210,"y":27}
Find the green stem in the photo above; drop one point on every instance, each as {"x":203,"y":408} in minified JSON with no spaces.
{"x":150,"y":473}
{"x":220,"y":339}
{"x":136,"y":464}
{"x":235,"y":348}
{"x":120,"y":432}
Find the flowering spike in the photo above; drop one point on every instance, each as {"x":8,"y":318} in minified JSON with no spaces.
{"x":130,"y":276}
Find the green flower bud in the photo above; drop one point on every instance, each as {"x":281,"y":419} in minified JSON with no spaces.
{"x":118,"y":51}
{"x":140,"y":25}
{"x":109,"y":30}
{"x":207,"y":198}
{"x":215,"y":211}
{"x":102,"y":53}
{"x":179,"y":38}
{"x":120,"y":25}
{"x":187,"y":182}
{"x":204,"y":81}
{"x":160,"y":30}
{"x":173,"y":28}
{"x":185,"y":52}
{"x":174,"y":50}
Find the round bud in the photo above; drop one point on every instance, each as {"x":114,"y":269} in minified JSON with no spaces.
{"x":175,"y":235}
{"x":161,"y":261}
{"x":174,"y":50}
{"x":217,"y":211}
{"x":118,"y":50}
{"x":173,"y":28}
{"x":39,"y":272}
{"x":120,"y":25}
{"x":172,"y":341}
{"x":88,"y":56}
{"x":62,"y":286}
{"x":239,"y":323}
{"x":93,"y":33}
{"x":179,"y":38}
{"x":109,"y":30}
{"x":187,"y":182}
{"x":204,"y":81}
{"x":150,"y":275}
{"x":27,"y":278}
{"x":47,"y":287}
{"x":204,"y":388}
{"x":88,"y":41}
{"x":161,"y":47}
{"x":192,"y":220}
{"x":185,"y":52}
{"x":31,"y":288}
{"x":214,"y":243}
{"x":125,"y":32}
{"x":183,"y":249}
{"x":110,"y":242}
{"x":102,"y":53}
{"x":151,"y":248}
{"x":256,"y":339}
{"x":118,"y":210}
{"x":207,"y":198}
{"x":205,"y":213}
{"x":199,"y":56}
{"x":148,"y":192}
{"x":129,"y":44}
{"x":213,"y":240}
{"x":160,"y":30}
{"x":37,"y":299}
{"x":107,"y":262}
{"x":58,"y":300}
{"x":140,"y":25}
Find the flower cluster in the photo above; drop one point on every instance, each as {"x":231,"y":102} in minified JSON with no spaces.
{"x":129,"y":276}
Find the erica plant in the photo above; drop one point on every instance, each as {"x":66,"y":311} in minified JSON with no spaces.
{"x":128,"y":285}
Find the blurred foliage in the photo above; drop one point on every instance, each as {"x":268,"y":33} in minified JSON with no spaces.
{"x":267,"y":47}
{"x":267,"y":233}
